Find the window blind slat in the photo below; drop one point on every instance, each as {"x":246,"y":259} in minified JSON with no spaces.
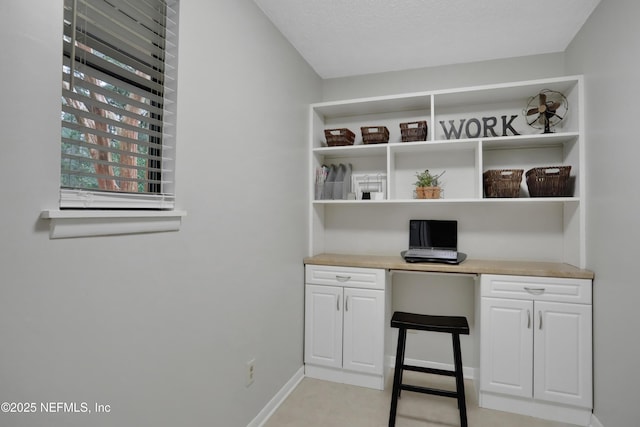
{"x":143,"y":12}
{"x":109,"y":68}
{"x":119,"y":85}
{"x":102,"y":134}
{"x":73,"y":198}
{"x":77,"y":173}
{"x":120,"y":52}
{"x":151,"y":67}
{"x":113,"y":27}
{"x":106,"y":163}
{"x":113,"y":96}
{"x":114,"y":112}
{"x":126,"y":16}
{"x":92,"y":46}
{"x":90,"y":146}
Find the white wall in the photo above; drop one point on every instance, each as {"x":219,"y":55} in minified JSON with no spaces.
{"x":159,"y":326}
{"x":607,"y":52}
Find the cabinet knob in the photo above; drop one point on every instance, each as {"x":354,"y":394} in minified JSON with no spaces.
{"x":534,"y":291}
{"x":343,"y":278}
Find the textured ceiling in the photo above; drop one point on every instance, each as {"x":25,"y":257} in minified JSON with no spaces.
{"x":351,"y":37}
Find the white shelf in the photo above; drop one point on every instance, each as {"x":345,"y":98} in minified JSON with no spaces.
{"x":71,"y":223}
{"x":529,"y":141}
{"x":552,"y":227}
{"x":352,"y":150}
{"x":373,"y":105}
{"x":506,"y":200}
{"x":504,"y":142}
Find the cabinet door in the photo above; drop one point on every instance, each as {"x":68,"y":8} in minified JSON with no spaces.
{"x":323,"y":325}
{"x":363,"y":342}
{"x":563,"y":356}
{"x":506,"y":349}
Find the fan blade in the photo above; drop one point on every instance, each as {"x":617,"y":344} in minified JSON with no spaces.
{"x":532,"y":111}
{"x":543,"y":99}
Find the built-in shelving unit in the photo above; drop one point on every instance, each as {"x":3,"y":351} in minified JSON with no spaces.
{"x":549,"y":229}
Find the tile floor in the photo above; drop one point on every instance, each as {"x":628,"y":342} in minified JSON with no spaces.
{"x":316,"y":403}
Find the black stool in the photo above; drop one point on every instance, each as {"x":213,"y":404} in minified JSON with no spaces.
{"x":454,"y":325}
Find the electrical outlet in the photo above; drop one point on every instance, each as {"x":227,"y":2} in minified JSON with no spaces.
{"x":251,"y":370}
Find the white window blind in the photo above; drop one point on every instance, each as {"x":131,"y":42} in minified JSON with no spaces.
{"x":118,"y":104}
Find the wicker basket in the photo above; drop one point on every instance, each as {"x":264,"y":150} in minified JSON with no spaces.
{"x":502,"y":182}
{"x":374,"y":134}
{"x":336,"y":137}
{"x":414,"y":131}
{"x":550,"y":181}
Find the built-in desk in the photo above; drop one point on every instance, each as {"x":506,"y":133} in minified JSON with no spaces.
{"x":532,"y":329}
{"x":469,"y":266}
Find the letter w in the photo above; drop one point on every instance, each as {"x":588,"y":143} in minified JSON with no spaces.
{"x":456,"y":132}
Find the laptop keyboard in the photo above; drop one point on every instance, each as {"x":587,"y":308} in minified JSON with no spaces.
{"x":432,"y":253}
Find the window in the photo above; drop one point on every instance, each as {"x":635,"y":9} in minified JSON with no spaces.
{"x":118,"y":104}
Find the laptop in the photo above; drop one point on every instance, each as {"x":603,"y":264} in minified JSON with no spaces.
{"x":433,"y":241}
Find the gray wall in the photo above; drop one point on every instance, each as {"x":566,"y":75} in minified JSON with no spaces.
{"x":607,"y":52}
{"x":445,"y":77}
{"x":159,"y":326}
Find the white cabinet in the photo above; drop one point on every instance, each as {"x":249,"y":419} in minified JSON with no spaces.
{"x":506,"y":346}
{"x":483,"y":140}
{"x":536,"y":346}
{"x":563,"y":353}
{"x":345,"y":314}
{"x":363,"y":339}
{"x":323,"y":325}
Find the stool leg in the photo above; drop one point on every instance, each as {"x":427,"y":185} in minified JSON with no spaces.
{"x":457,"y":357}
{"x":397,"y":375}
{"x":404,"y":349}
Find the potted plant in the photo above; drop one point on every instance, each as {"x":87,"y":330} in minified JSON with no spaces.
{"x":428,"y":185}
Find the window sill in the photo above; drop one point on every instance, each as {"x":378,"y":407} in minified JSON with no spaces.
{"x":84,"y":223}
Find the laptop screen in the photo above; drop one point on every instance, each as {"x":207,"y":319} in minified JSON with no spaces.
{"x":429,"y":233}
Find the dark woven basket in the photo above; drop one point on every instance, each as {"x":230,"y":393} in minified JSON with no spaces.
{"x":336,"y":137}
{"x":413,"y":131}
{"x":502,"y":182}
{"x":374,"y":134}
{"x":550,"y":181}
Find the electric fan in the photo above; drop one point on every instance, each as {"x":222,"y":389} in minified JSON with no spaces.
{"x":546,"y":109}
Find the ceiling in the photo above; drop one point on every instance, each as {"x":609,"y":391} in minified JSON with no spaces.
{"x":341,"y":38}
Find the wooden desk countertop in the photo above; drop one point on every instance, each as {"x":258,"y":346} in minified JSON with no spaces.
{"x":469,"y":266}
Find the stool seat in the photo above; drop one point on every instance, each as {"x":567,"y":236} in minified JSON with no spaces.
{"x":425,"y":322}
{"x":454,"y":325}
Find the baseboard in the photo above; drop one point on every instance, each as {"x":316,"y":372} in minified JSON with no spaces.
{"x":343,"y":376}
{"x":595,"y":422}
{"x":536,"y":408}
{"x":277,"y":400}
